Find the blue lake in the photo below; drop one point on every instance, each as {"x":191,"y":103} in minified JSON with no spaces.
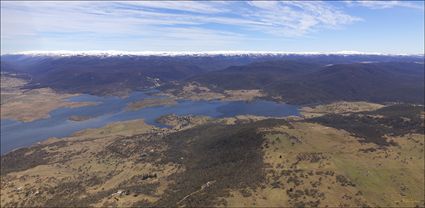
{"x":15,"y":134}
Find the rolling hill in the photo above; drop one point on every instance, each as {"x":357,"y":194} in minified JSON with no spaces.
{"x":305,"y":83}
{"x":299,"y":79}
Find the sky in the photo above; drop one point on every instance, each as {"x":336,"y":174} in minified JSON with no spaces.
{"x":395,"y":27}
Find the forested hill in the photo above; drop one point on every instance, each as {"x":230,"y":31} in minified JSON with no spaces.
{"x":304,"y":83}
{"x":297,"y":78}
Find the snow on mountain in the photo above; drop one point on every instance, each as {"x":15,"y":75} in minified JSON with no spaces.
{"x":110,"y":53}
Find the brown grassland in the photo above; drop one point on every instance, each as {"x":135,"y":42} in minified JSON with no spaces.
{"x":243,"y":161}
{"x":29,"y":105}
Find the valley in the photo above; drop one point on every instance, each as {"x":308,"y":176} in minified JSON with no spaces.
{"x":212,"y":131}
{"x":253,"y":103}
{"x":64,"y":114}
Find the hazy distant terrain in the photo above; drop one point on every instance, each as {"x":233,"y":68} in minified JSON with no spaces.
{"x":296,"y":78}
{"x":305,"y":83}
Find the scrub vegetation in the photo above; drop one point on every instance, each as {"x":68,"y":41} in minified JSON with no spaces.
{"x":239,"y":161}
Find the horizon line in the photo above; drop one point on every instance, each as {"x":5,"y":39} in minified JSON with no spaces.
{"x":212,"y":52}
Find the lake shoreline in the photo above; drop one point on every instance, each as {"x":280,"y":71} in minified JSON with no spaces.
{"x":110,"y":109}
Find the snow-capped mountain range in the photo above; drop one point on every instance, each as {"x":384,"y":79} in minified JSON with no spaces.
{"x":109,"y":53}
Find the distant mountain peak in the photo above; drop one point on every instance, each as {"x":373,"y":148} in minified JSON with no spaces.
{"x":109,"y":53}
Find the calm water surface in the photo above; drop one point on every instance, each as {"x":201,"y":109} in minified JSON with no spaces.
{"x":15,"y":134}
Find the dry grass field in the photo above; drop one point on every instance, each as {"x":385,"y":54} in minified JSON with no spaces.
{"x":243,"y":161}
{"x":150,"y":102}
{"x":195,"y":91}
{"x":339,"y":108}
{"x":29,"y":105}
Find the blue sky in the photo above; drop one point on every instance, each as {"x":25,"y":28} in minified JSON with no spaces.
{"x":290,"y":26}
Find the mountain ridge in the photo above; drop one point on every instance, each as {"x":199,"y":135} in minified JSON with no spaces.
{"x":298,"y":79}
{"x":197,"y":53}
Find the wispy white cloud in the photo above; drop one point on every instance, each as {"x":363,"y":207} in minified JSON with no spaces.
{"x":388,"y":4}
{"x":187,"y":6}
{"x":49,"y":16}
{"x":220,"y":21}
{"x":295,"y":18}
